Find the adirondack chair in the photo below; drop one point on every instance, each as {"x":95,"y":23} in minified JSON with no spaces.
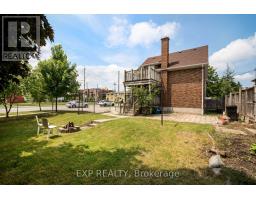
{"x":38,"y":125}
{"x":47,"y":126}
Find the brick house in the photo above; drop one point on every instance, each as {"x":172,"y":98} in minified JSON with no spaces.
{"x":182,"y":76}
{"x":115,"y":96}
{"x":97,"y":93}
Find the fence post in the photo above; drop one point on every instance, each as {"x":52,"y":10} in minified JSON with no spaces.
{"x":230,"y":99}
{"x":245,"y":102}
{"x":226,"y":102}
{"x":240,"y":101}
{"x":254,"y":101}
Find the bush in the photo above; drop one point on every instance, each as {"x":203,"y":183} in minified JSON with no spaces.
{"x":253,"y":148}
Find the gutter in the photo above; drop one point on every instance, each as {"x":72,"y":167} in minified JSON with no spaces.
{"x":199,"y":65}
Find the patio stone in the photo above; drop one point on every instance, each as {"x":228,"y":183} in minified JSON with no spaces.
{"x":184,"y":117}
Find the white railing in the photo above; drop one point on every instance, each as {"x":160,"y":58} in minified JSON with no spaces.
{"x":148,"y":73}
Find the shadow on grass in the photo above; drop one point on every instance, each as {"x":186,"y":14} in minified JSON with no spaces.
{"x":25,"y":160}
{"x":41,"y":164}
{"x":39,"y":114}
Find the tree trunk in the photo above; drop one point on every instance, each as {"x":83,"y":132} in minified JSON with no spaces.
{"x":56,"y":104}
{"x":39,"y":103}
{"x":6,"y":111}
{"x":7,"y":114}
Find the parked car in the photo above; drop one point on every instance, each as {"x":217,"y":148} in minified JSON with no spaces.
{"x":75,"y":104}
{"x":106,"y":103}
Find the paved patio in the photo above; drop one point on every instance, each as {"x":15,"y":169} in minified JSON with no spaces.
{"x":193,"y":118}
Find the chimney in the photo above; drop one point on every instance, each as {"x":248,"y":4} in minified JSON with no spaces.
{"x":165,"y":53}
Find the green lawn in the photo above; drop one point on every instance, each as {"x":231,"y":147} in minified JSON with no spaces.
{"x":25,"y":113}
{"x":130,"y":144}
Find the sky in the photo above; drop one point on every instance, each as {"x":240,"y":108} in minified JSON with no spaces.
{"x":106,"y":44}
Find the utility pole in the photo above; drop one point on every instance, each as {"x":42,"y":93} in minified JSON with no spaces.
{"x":97,"y":92}
{"x":87,"y":91}
{"x":114,"y":87}
{"x":118,"y":79}
{"x":118,"y":89}
{"x":83,"y":98}
{"x":84,"y":79}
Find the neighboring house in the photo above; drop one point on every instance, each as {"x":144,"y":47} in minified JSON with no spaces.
{"x":97,"y":93}
{"x":17,"y":99}
{"x":182,"y":76}
{"x":115,"y":96}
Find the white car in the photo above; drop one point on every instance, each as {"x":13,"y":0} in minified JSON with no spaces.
{"x":75,"y":104}
{"x":106,"y":103}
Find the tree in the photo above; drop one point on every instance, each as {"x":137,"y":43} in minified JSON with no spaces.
{"x":59,"y":75}
{"x":34,"y":86}
{"x":8,"y":96}
{"x":13,"y":71}
{"x":218,"y":87}
{"x":228,"y":83}
{"x":143,"y":97}
{"x":213,"y":88}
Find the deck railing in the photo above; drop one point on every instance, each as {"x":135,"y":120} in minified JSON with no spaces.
{"x":148,"y":73}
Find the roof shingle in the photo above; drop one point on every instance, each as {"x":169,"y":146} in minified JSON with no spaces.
{"x":183,"y":58}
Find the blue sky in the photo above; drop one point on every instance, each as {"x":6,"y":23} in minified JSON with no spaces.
{"x":105,"y":44}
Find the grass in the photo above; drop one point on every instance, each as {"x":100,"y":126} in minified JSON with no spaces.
{"x":131,"y":144}
{"x":23,"y":113}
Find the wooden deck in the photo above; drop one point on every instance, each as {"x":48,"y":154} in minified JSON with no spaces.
{"x":141,"y":76}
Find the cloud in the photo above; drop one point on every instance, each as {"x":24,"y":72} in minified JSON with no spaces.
{"x":245,"y":77}
{"x":142,"y":33}
{"x":118,"y":32}
{"x":45,"y":54}
{"x":127,"y":59}
{"x":102,"y":75}
{"x":235,"y":52}
{"x":145,"y":33}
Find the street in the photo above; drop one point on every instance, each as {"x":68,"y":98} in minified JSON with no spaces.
{"x":98,"y":109}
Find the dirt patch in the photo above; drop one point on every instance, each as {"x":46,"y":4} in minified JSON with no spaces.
{"x":237,"y":147}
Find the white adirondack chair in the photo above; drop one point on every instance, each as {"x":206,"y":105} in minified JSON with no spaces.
{"x":47,"y":126}
{"x":38,"y":125}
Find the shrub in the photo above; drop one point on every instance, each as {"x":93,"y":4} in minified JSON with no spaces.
{"x":253,"y":148}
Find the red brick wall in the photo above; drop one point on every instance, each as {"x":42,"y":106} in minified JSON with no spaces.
{"x":185,"y":88}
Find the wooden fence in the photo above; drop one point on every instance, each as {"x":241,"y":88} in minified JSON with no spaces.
{"x":215,"y":105}
{"x":245,"y":101}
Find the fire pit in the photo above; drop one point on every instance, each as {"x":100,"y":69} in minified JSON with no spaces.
{"x":69,"y":128}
